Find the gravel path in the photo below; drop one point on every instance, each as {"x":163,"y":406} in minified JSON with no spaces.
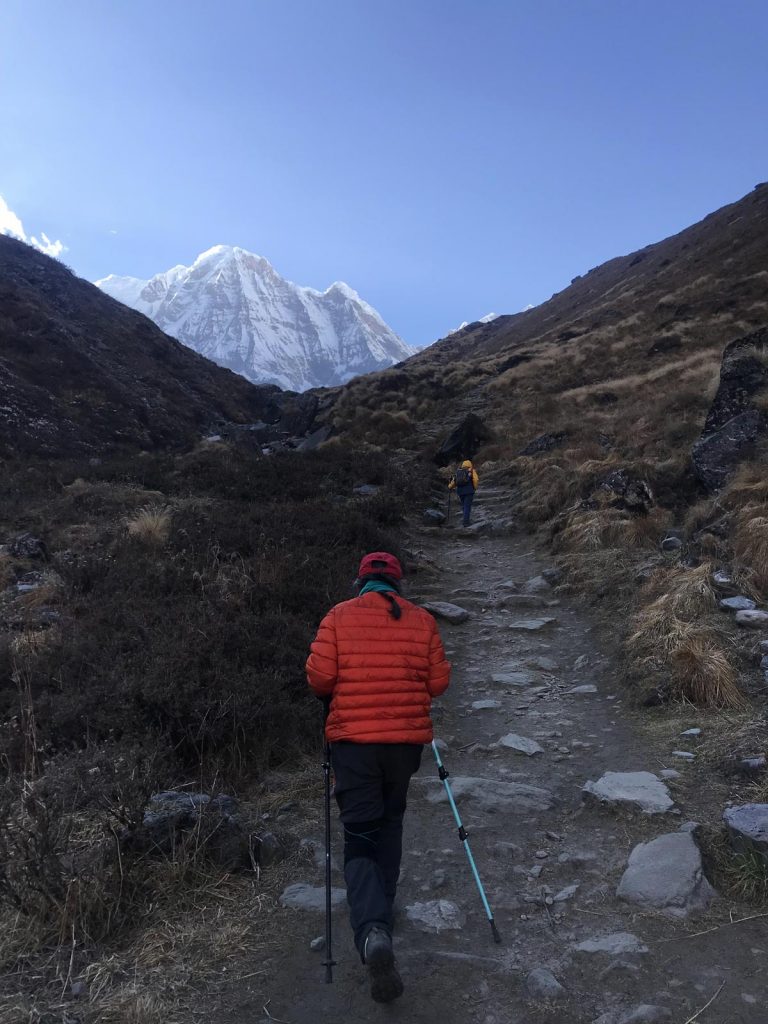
{"x":572,"y":951}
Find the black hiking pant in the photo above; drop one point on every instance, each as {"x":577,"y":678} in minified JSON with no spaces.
{"x":466,"y":500}
{"x":371,"y":787}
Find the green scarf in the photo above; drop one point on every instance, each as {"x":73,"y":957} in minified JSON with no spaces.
{"x":378,"y":587}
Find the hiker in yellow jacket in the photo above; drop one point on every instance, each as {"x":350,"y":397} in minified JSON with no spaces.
{"x":465,"y":482}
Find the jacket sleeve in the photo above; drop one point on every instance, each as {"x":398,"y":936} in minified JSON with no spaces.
{"x":322,"y":663}
{"x":439,"y":666}
{"x":475,"y":479}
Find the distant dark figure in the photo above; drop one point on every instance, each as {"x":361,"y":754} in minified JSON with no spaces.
{"x":465,"y":482}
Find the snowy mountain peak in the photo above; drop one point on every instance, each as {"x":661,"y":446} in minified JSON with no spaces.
{"x":233,"y":306}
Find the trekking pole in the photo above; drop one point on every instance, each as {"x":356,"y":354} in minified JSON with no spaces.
{"x":448,"y":517}
{"x":329,"y":963}
{"x":442,"y":771}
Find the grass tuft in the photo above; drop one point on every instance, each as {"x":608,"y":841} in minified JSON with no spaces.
{"x":150,"y":525}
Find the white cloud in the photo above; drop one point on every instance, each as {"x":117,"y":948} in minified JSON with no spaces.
{"x":10,"y":224}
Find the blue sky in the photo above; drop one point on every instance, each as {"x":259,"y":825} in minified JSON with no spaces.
{"x":447,"y":158}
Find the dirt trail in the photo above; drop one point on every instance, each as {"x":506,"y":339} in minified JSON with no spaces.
{"x":460,"y":975}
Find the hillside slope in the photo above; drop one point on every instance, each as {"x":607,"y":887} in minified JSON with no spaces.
{"x":633,"y":343}
{"x":234,"y":307}
{"x":79,"y":372}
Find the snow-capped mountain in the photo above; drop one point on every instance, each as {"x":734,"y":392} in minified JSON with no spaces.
{"x":234,"y":307}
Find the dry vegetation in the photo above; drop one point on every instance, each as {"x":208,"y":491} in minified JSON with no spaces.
{"x":161,"y":645}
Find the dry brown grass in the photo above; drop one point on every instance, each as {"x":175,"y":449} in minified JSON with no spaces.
{"x":702,"y":671}
{"x":750,"y":544}
{"x":150,"y":525}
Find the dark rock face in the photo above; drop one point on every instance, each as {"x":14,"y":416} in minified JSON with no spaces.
{"x":25,"y":545}
{"x":464,"y":441}
{"x":734,"y":423}
{"x":543,"y":443}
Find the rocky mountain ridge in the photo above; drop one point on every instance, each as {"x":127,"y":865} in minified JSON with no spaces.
{"x":233,"y":307}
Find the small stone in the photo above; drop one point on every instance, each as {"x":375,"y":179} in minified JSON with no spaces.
{"x":485,"y":705}
{"x":302,"y":896}
{"x":78,"y":989}
{"x":444,"y":610}
{"x":752,"y":619}
{"x":691,"y":732}
{"x":616,"y":944}
{"x":435,"y":916}
{"x":670,"y":544}
{"x":536,"y":870}
{"x":753,"y":765}
{"x":554,"y":836}
{"x":552,"y":575}
{"x":537,"y":585}
{"x":433,"y":516}
{"x":544,"y":663}
{"x":541,"y":854}
{"x":531,"y":625}
{"x":748,"y":828}
{"x":722,"y":578}
{"x":586,"y":688}
{"x":520,"y":744}
{"x":317,"y":945}
{"x":646,"y":1014}
{"x":567,"y":893}
{"x":438,"y":879}
{"x":684,"y":755}
{"x":366,"y":490}
{"x":669,"y":773}
{"x":737,"y":604}
{"x":542,"y":984}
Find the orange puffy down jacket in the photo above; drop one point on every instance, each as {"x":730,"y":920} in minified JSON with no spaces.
{"x":381,"y":672}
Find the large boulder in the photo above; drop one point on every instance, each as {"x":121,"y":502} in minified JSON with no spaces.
{"x":666,"y":875}
{"x":464,"y":441}
{"x":735,"y":423}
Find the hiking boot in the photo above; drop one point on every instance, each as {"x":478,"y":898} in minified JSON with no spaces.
{"x":386,"y":984}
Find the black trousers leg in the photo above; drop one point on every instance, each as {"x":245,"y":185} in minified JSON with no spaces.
{"x":371,"y":789}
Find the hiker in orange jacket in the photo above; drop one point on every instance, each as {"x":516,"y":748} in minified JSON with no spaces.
{"x":379,"y":661}
{"x":465,"y":482}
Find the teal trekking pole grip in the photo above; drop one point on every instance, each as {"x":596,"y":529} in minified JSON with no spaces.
{"x":442,"y":771}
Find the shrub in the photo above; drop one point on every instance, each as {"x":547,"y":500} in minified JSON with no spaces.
{"x":150,"y":525}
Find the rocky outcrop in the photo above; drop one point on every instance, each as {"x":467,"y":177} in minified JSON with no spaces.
{"x":464,"y":441}
{"x":735,"y":421}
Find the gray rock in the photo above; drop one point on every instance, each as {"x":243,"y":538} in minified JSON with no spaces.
{"x":541,"y":984}
{"x":435,"y":916}
{"x":26,"y":545}
{"x":637,"y":790}
{"x":684,"y":755}
{"x":764,"y":646}
{"x":444,"y":610}
{"x":545,"y":663}
{"x":646,"y":1014}
{"x":269,"y":850}
{"x":752,"y":619}
{"x":303,"y":896}
{"x":366,"y":490}
{"x":764,"y":662}
{"x":669,"y":773}
{"x":78,"y":989}
{"x":691,"y":732}
{"x":433,"y":516}
{"x":666,"y":875}
{"x":531,"y":625}
{"x":441,"y":745}
{"x":485,"y":705}
{"x":586,"y":688}
{"x":513,"y":678}
{"x":317,"y":945}
{"x":753,"y":765}
{"x":567,"y":893}
{"x":521,"y":744}
{"x":537,"y":585}
{"x":493,"y":795}
{"x":670,"y":544}
{"x":615,"y":944}
{"x":721,"y":578}
{"x":552,"y":575}
{"x":737,"y":604}
{"x":748,"y":828}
